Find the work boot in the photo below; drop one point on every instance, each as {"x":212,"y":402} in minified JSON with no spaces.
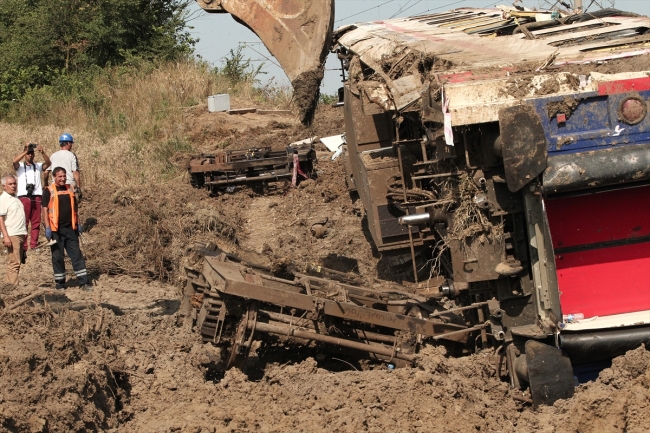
{"x":87,"y":287}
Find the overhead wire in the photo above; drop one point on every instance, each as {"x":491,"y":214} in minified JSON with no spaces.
{"x":364,"y":11}
{"x":399,"y":11}
{"x":440,"y":7}
{"x":247,"y":45}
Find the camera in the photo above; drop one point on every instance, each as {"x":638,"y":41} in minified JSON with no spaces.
{"x":30,"y":188}
{"x":31,"y":147}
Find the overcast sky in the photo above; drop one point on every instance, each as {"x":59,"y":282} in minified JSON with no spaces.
{"x":218,"y":33}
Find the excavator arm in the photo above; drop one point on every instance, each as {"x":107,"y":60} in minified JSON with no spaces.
{"x":296,"y":32}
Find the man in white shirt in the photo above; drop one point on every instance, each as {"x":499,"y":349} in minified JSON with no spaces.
{"x":30,"y":189}
{"x":68,"y":160}
{"x":12,"y":226}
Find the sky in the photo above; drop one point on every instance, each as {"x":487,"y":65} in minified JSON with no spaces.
{"x":219,"y":33}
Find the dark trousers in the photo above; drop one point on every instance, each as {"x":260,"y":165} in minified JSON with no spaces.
{"x":67,"y":239}
{"x":32,"y":205}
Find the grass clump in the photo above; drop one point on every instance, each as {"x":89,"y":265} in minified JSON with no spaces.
{"x":128,"y":121}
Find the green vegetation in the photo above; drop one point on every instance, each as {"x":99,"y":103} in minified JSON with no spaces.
{"x":239,"y":69}
{"x":44,"y":42}
{"x":328,"y":99}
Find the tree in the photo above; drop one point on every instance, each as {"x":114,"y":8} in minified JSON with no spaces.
{"x":40,"y":39}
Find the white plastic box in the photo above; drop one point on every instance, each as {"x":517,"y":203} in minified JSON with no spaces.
{"x":219,"y":102}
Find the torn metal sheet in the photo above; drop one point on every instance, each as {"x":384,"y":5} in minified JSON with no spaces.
{"x":406,"y":90}
{"x":448,"y":39}
{"x":333,"y":142}
{"x":378,"y":93}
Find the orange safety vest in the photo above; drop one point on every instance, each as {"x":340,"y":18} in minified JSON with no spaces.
{"x":53,"y":207}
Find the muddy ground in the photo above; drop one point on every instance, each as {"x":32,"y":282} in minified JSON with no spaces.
{"x":122,"y":358}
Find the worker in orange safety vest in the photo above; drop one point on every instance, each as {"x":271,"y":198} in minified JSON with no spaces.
{"x":62,"y":226}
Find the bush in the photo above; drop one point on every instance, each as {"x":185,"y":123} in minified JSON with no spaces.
{"x":239,"y":69}
{"x":327,"y":99}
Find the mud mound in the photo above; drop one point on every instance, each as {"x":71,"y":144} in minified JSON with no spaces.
{"x":209,"y":132}
{"x":141,"y":369}
{"x":618,"y":401}
{"x":306,"y":397}
{"x":94,"y":369}
{"x":48,"y":379}
{"x":276,"y":222}
{"x":145,"y":232}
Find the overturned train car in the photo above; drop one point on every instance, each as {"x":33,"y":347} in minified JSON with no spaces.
{"x":506,"y":155}
{"x":503,"y":160}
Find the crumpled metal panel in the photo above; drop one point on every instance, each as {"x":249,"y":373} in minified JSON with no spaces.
{"x":451,"y":44}
{"x":446,"y":37}
{"x":524,"y":145}
{"x":454,"y":44}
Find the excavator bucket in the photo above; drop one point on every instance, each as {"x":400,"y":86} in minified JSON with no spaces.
{"x":296,"y":32}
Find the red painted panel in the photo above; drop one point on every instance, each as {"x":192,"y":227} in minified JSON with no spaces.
{"x":607,"y":216}
{"x":605,"y":281}
{"x":624,"y":86}
{"x":602,"y":281}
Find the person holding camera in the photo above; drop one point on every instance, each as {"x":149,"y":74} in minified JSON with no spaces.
{"x":62,"y":225}
{"x":30,"y":190}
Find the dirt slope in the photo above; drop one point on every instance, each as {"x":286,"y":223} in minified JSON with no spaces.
{"x":123,"y":359}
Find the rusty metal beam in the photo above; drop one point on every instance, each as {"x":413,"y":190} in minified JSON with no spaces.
{"x":342,"y":310}
{"x":227,"y":278}
{"x":303,"y":323}
{"x":198,"y":166}
{"x":244,"y":180}
{"x":308,"y":335}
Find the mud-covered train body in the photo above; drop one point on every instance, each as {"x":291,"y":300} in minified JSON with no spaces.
{"x":503,"y":161}
{"x":511,"y":162}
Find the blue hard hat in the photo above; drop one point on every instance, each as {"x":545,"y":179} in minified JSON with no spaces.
{"x":66,"y":138}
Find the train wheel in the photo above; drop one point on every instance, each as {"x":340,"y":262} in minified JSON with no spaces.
{"x":243,"y":339}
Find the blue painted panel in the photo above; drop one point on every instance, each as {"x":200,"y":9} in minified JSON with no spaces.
{"x":593,"y":124}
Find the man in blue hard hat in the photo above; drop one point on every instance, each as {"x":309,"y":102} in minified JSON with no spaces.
{"x":68,"y":160}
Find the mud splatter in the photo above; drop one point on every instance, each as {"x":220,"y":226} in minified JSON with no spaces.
{"x":565,"y":106}
{"x":306,"y":92}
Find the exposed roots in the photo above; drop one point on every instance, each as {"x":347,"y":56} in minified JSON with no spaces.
{"x":146,"y":234}
{"x":469,"y":222}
